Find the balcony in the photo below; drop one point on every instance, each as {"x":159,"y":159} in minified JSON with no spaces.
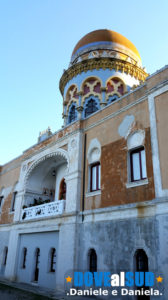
{"x":44,"y":210}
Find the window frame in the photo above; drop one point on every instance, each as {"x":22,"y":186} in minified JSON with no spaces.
{"x":98,"y":176}
{"x":72,"y":114}
{"x":13,"y":201}
{"x":94,"y":108}
{"x":132,"y":152}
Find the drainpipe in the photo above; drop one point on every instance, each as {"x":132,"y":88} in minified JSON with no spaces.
{"x":83,"y":192}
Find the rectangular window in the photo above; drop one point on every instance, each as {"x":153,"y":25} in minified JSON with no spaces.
{"x":138,"y":164}
{"x":5,"y":255}
{"x":13,"y":201}
{"x":95,"y":177}
{"x":53,"y":260}
{"x":24,"y":258}
{"x":1,"y":199}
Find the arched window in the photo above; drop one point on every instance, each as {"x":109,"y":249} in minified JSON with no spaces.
{"x":91,"y":86}
{"x":141,"y":261}
{"x":5,"y":255}
{"x":24,"y":258}
{"x":115,"y":87}
{"x":52,"y":260}
{"x":72,"y":94}
{"x":62,"y":190}
{"x":92,"y":261}
{"x":72,"y":114}
{"x":91,"y":107}
{"x":37,"y":261}
{"x":141,"y":265}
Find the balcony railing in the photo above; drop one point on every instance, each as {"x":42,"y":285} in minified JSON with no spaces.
{"x":43,"y":210}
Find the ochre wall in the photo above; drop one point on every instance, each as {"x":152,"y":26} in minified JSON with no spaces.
{"x":114,"y":158}
{"x":6,"y":216}
{"x":114,"y":175}
{"x":8,"y":178}
{"x":161,"y":105}
{"x":157,"y":78}
{"x":107,"y":131}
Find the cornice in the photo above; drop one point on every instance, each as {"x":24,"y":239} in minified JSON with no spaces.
{"x":101,"y":63}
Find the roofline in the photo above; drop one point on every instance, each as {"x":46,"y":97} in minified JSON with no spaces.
{"x":157,"y":72}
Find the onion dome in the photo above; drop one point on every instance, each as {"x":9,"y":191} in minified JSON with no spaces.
{"x":106,"y":43}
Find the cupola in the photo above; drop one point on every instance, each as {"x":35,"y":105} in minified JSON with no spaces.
{"x":104,"y":66}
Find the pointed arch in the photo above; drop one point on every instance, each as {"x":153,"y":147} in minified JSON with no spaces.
{"x":115,"y":86}
{"x":71,"y":94}
{"x":91,"y":105}
{"x":91,"y":86}
{"x":72,"y":112}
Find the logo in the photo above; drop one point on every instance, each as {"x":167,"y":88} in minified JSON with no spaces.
{"x":107,"y":283}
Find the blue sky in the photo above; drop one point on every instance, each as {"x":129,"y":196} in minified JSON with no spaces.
{"x":37,"y":38}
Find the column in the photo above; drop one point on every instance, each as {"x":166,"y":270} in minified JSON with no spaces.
{"x":80,"y":107}
{"x":18,"y":205}
{"x":10,"y":271}
{"x":103,"y":103}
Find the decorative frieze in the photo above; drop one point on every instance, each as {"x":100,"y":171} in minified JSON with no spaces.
{"x":102,"y":63}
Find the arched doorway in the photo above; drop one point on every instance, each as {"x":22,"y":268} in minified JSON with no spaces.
{"x":62,"y":190}
{"x":92,"y":261}
{"x":141,"y":265}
